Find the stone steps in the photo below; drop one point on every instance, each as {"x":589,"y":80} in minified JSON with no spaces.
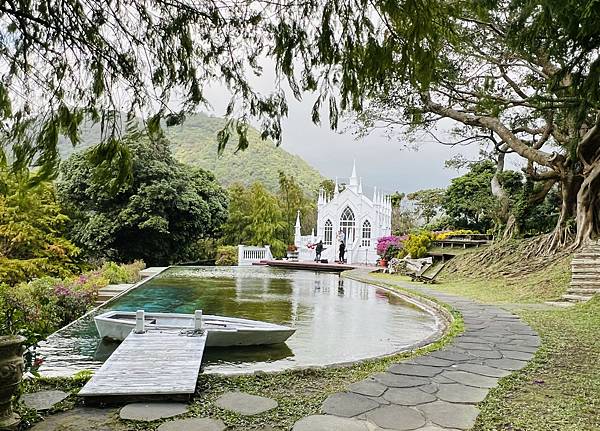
{"x":585,"y":275}
{"x":111,"y":291}
{"x":588,"y":285}
{"x":584,"y":291}
{"x":585,"y":263}
{"x":576,"y":298}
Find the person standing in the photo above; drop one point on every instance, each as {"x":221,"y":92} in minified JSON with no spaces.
{"x":342,"y":252}
{"x":341,"y":237}
{"x":318,"y":251}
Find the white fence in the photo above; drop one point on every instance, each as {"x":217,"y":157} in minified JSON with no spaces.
{"x":247,"y":254}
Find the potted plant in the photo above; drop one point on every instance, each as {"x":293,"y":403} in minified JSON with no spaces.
{"x":292,"y":252}
{"x":11,"y":372}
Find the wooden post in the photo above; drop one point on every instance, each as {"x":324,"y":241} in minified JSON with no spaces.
{"x":139,"y":322}
{"x":198,"y":320}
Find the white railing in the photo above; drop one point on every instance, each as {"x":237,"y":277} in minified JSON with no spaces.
{"x":248,"y":254}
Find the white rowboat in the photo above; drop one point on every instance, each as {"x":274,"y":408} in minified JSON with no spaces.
{"x":221,"y":331}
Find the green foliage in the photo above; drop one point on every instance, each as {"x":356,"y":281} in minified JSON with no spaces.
{"x":195,"y":143}
{"x":266,"y":220}
{"x":32,"y":226}
{"x":128,"y":273}
{"x":203,"y":252}
{"x":255,"y":218}
{"x":227,"y":255}
{"x":157,"y":217}
{"x":291,"y":200}
{"x":417,"y":244}
{"x":469,"y":200}
{"x":428,"y":201}
{"x":235,"y":229}
{"x":38,"y":308}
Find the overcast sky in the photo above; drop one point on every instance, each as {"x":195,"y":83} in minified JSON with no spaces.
{"x":380,"y":161}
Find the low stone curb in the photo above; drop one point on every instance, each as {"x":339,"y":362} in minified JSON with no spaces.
{"x":440,"y":390}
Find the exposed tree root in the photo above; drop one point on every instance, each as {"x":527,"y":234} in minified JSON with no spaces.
{"x":561,"y":239}
{"x":508,"y":258}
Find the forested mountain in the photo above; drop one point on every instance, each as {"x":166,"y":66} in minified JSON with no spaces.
{"x":195,"y":143}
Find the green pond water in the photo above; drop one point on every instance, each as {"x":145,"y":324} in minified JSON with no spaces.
{"x":336,"y":320}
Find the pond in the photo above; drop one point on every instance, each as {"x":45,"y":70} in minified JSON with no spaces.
{"x":337,"y":320}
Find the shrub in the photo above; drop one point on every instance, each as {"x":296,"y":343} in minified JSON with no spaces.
{"x":448,"y":233}
{"x":417,"y":244}
{"x":127,"y":273}
{"x":389,"y":246}
{"x":227,"y":255}
{"x":42,"y":306}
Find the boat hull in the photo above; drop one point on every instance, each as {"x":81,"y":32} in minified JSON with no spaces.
{"x":221,"y":331}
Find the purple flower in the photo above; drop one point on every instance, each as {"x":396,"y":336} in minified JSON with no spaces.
{"x":386,"y":242}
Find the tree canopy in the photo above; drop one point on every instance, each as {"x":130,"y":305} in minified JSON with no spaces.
{"x":32,"y":227}
{"x":428,"y":201}
{"x":157,"y":217}
{"x":519,"y":74}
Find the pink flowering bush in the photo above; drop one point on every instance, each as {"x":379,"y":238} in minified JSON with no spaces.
{"x":389,"y":246}
{"x":41,"y":306}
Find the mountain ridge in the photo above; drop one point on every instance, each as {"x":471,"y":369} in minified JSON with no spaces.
{"x":195,"y":143}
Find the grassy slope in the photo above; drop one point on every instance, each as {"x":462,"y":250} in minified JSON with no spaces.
{"x":560,"y":388}
{"x":195,"y":143}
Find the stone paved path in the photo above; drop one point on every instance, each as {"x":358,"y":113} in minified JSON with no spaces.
{"x":437,"y":391}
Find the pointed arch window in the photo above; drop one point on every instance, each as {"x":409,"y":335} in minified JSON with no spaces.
{"x":328,"y":239}
{"x":347,"y":224}
{"x":366,"y":234}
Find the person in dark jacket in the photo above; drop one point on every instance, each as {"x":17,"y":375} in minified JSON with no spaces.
{"x":318,"y":251}
{"x":342,"y":251}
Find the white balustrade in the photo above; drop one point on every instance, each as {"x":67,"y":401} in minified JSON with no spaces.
{"x":247,"y":255}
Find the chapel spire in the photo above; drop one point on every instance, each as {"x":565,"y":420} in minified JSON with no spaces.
{"x":353,"y":179}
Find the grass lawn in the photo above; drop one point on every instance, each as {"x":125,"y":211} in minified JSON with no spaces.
{"x":560,"y":388}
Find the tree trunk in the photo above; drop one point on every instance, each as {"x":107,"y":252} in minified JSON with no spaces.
{"x":506,"y":219}
{"x":588,"y":206}
{"x":562,"y":235}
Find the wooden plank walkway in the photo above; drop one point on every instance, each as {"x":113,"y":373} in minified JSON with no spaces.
{"x":309,"y":265}
{"x":153,"y":363}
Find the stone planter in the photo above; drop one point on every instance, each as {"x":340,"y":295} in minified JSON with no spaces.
{"x":11,"y":372}
{"x":293,"y":255}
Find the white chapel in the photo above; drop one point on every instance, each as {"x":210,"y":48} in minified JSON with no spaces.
{"x":362,"y":220}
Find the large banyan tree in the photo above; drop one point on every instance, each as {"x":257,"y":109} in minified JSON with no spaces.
{"x":523,"y":74}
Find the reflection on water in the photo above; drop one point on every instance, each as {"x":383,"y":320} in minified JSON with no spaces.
{"x":336,"y":320}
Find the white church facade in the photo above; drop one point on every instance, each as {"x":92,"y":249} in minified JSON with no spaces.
{"x":362,"y":220}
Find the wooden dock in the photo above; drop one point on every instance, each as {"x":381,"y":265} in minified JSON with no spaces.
{"x":309,"y":265}
{"x":154,"y":363}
